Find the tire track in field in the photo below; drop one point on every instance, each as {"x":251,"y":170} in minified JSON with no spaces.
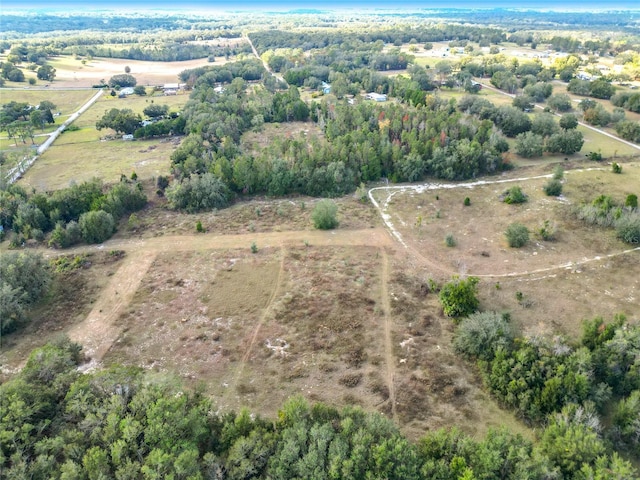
{"x":263,"y":319}
{"x":98,"y":331}
{"x":388,"y":340}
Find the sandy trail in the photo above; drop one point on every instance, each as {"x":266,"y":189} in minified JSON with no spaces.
{"x":388,"y":339}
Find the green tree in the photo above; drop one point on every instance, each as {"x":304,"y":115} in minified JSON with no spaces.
{"x":560,"y":102}
{"x":156,"y":110}
{"x":517,"y":235}
{"x":529,"y":144}
{"x":46,"y":72}
{"x":566,"y":142}
{"x":459,"y":297}
{"x":553,"y":188}
{"x":523,"y":102}
{"x":324,"y":215}
{"x":569,"y":442}
{"x":122,"y":80}
{"x":197,"y":193}
{"x":122,"y":121}
{"x":481,"y":334}
{"x":568,"y":121}
{"x":96,"y":226}
{"x":544,"y":124}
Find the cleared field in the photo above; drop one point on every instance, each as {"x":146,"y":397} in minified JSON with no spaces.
{"x":72,"y":73}
{"x":66,"y":101}
{"x":256,"y":329}
{"x":81,"y":155}
{"x":562,"y":281}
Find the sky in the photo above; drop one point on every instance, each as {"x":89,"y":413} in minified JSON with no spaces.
{"x":280,"y":5}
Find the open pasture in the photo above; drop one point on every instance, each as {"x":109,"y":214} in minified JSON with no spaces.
{"x":81,"y":156}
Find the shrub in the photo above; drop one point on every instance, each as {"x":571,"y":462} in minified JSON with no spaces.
{"x":553,"y":188}
{"x":547,"y":231}
{"x":631,"y":201}
{"x":324,"y":215}
{"x":481,"y":334}
{"x":450,"y":241}
{"x":616,"y":167}
{"x":514,"y":195}
{"x":517,"y":235}
{"x":595,"y":156}
{"x":199,"y":227}
{"x":96,"y":226}
{"x":254,"y":247}
{"x":458,"y":297}
{"x":628,"y":228}
{"x":558,"y":173}
{"x":467,"y":201}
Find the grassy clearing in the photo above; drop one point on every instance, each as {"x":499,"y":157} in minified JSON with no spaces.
{"x":320,"y":334}
{"x":82,"y":157}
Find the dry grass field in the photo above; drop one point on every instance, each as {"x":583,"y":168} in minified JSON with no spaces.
{"x":579,"y":275}
{"x":72,"y":73}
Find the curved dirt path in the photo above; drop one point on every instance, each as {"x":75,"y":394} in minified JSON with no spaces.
{"x":99,"y":331}
{"x":388,"y":339}
{"x":395,"y":189}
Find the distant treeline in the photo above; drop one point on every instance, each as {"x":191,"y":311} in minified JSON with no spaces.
{"x":271,"y":39}
{"x":169,"y":52}
{"x":48,"y":23}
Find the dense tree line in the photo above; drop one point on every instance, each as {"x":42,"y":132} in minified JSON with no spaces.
{"x":69,"y":214}
{"x":48,"y":23}
{"x":166,"y":52}
{"x":24,"y":280}
{"x":271,"y":39}
{"x":119,"y":423}
{"x":540,"y":378}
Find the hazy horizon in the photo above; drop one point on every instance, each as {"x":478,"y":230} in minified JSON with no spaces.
{"x":199,"y":5}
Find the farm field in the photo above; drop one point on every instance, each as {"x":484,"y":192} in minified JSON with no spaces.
{"x":72,"y":73}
